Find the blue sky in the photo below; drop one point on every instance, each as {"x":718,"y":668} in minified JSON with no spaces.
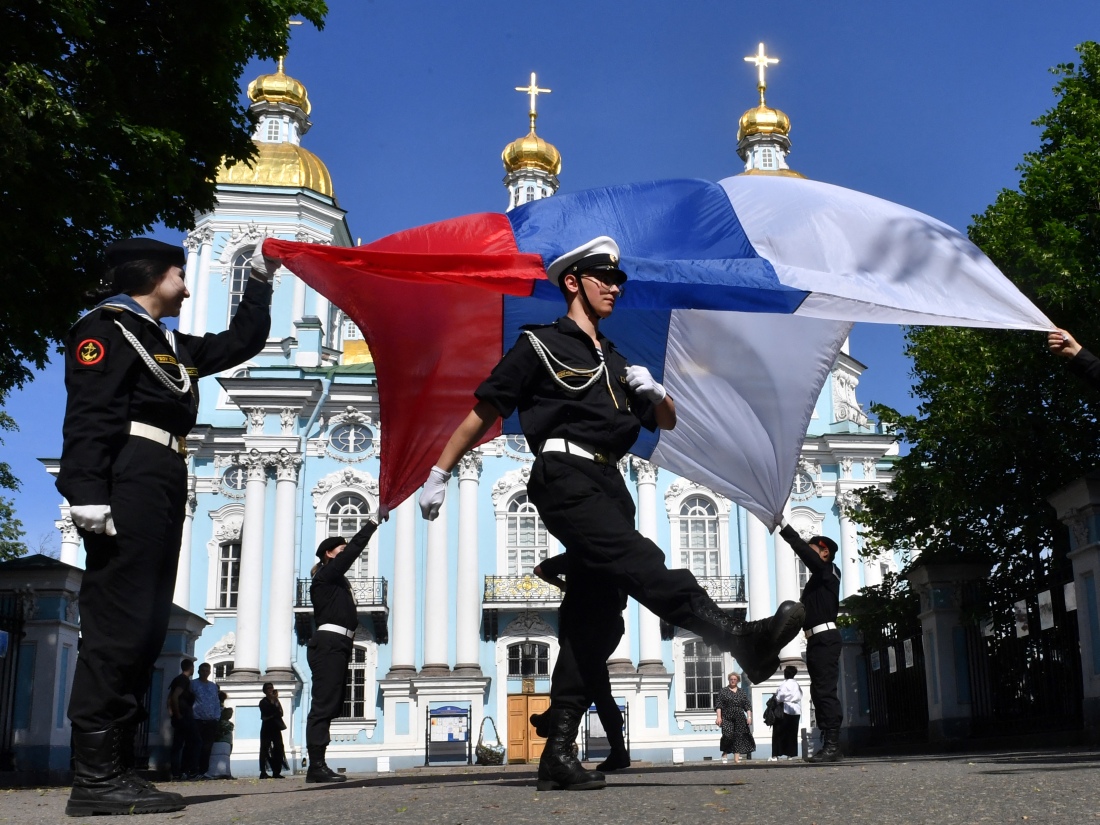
{"x":927,"y":104}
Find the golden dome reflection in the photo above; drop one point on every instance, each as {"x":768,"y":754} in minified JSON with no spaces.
{"x":763,"y":120}
{"x":279,"y":88}
{"x":281,"y":164}
{"x":531,"y":152}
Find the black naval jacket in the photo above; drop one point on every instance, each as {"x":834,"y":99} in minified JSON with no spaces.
{"x":330,"y":592}
{"x":109,"y":385}
{"x":821,"y":595}
{"x":1086,"y":365}
{"x":606,"y":417}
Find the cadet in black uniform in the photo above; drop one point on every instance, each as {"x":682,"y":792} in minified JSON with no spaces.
{"x":330,"y":648}
{"x":132,"y":398}
{"x":821,"y":597}
{"x":581,"y":407}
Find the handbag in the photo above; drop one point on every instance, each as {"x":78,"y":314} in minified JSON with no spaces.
{"x":489,"y":753}
{"x":773,"y":712}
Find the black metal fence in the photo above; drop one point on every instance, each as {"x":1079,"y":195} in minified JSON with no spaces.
{"x":11,"y":632}
{"x":898,"y":692}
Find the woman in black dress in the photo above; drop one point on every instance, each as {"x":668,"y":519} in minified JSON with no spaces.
{"x":735,"y":719}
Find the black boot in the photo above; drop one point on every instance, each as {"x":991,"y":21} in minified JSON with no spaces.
{"x":756,"y":645}
{"x":318,"y":770}
{"x":101,"y":785}
{"x":559,"y":768}
{"x":619,"y":757}
{"x":830,"y":747}
{"x":128,"y":760}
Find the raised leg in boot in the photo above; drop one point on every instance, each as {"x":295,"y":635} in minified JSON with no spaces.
{"x":102,"y":785}
{"x":318,"y":770}
{"x":558,"y":767}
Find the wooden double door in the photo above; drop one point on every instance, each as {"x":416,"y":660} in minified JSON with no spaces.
{"x":524,"y":745}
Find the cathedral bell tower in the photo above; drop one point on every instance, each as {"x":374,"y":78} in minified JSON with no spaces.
{"x":763,"y":140}
{"x":531,"y":163}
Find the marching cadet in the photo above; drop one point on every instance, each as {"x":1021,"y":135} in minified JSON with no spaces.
{"x":329,"y":651}
{"x":133,"y":396}
{"x":581,"y":407}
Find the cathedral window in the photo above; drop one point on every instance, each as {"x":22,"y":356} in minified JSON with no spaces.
{"x":346,"y":517}
{"x":526,"y":536}
{"x":528,"y":659}
{"x":234,"y":478}
{"x":803,"y":573}
{"x":239,"y":274}
{"x":703,"y":677}
{"x":699,"y":550}
{"x":222,"y":671}
{"x":274,"y":130}
{"x":767,"y":158}
{"x":355,"y":690}
{"x":530,"y":193}
{"x":351,"y":438}
{"x":229,"y":574}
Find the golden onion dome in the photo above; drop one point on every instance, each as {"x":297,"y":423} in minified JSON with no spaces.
{"x":763,"y":120}
{"x":279,"y":88}
{"x":281,"y":164}
{"x":531,"y":152}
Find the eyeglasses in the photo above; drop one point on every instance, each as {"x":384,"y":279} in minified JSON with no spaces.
{"x":606,"y":281}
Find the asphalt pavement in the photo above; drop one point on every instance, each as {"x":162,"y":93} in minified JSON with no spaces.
{"x":1061,"y":786}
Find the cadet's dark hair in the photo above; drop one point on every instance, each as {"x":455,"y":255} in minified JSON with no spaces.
{"x":828,"y":542}
{"x":136,"y":277}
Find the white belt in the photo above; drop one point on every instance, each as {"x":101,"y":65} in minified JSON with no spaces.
{"x":162,"y":437}
{"x":820,"y":628}
{"x":561,"y":445}
{"x":336,"y":628}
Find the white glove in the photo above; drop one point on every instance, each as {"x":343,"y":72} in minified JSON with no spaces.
{"x":264,"y":267}
{"x":639,"y":379}
{"x":435,"y":490}
{"x":95,"y":518}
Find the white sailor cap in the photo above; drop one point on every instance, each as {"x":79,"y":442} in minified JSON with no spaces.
{"x":599,"y":254}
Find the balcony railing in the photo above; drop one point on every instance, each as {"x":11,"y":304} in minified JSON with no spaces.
{"x":514,"y":590}
{"x":726,"y":590}
{"x":370,"y":594}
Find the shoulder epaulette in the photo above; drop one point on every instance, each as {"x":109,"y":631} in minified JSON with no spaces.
{"x":533,"y":327}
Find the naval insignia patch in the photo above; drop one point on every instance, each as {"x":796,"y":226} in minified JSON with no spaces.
{"x":90,"y":352}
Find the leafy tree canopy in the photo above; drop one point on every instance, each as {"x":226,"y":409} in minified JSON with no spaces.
{"x":11,"y":529}
{"x":1002,"y":425}
{"x":115,"y":116}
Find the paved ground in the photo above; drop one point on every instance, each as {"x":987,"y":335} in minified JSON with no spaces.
{"x":1026,"y":786}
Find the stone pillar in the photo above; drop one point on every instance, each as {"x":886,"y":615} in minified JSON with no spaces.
{"x":946,"y":667}
{"x":786,"y":588}
{"x":298,"y":305}
{"x":403,"y":593}
{"x":760,"y":586}
{"x":200,"y":284}
{"x":1078,"y":507}
{"x":849,"y":547}
{"x":246,"y":661}
{"x":437,"y":632}
{"x":182,"y":595}
{"x":468,"y":594}
{"x":650,"y":659}
{"x":70,"y":538}
{"x":854,"y":691}
{"x":187,"y":314}
{"x":280,"y":606}
{"x":321,"y":305}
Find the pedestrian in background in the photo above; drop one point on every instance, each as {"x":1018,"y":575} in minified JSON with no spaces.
{"x":734,"y":717}
{"x":272,"y":726}
{"x":208,"y":713}
{"x":186,"y":743}
{"x":789,"y":696}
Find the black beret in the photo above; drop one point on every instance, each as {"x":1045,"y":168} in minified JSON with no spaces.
{"x":144,"y":249}
{"x":329,"y":544}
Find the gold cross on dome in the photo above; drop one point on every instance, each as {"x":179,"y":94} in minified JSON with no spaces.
{"x":533,"y":91}
{"x":762,"y":61}
{"x":289,"y":24}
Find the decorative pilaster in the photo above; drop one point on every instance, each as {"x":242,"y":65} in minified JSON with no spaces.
{"x":70,"y":538}
{"x":280,"y":608}
{"x":249,"y":597}
{"x":200,"y":284}
{"x":187,"y":314}
{"x":468,"y":596}
{"x":846,"y":502}
{"x":786,"y":586}
{"x":182,"y":595}
{"x":403,"y":611}
{"x":649,"y":626}
{"x":760,"y":587}
{"x":437,"y":632}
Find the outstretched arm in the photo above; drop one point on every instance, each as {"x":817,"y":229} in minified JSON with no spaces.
{"x":462,"y":440}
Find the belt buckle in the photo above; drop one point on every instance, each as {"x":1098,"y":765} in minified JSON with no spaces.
{"x":600,"y":458}
{"x":181,"y":446}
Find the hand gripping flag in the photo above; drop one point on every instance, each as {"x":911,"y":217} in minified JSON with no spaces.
{"x":740,"y":297}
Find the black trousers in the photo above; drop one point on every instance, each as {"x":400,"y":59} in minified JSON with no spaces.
{"x":126,"y":592}
{"x":589,"y":509}
{"x":823,"y":665}
{"x":785,"y":736}
{"x":208,"y":733}
{"x":328,"y":656}
{"x":186,"y":747}
{"x":271,"y":747}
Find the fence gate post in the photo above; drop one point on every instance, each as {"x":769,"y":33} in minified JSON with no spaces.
{"x":946,"y":668}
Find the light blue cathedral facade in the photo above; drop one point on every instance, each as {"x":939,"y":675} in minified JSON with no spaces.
{"x":285,"y":454}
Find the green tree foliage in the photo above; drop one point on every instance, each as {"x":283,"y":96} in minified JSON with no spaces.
{"x":11,"y":529}
{"x":1002,"y":424}
{"x":115,"y":115}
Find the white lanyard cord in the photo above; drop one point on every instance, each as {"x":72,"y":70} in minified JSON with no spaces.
{"x":546,"y":357}
{"x":155,"y":368}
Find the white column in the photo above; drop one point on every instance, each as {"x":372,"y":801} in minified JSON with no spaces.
{"x":322,"y":307}
{"x":182,"y":595}
{"x":649,"y":626}
{"x":437,"y":631}
{"x":849,"y":562}
{"x":187,"y":314}
{"x":403,"y":593}
{"x":70,"y":538}
{"x":468,"y":596}
{"x":246,"y":660}
{"x":786,"y":585}
{"x":200,"y":284}
{"x":760,"y":589}
{"x":298,"y":305}
{"x":280,"y":606}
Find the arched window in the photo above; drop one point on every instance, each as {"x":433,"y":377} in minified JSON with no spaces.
{"x":530,"y":193}
{"x":803,"y":573}
{"x":229,"y":574}
{"x":527,"y":542}
{"x":239,"y":274}
{"x":346,"y":517}
{"x":699,"y":536}
{"x":703,"y":677}
{"x":355,"y":691}
{"x":528,"y":659}
{"x":274,"y":130}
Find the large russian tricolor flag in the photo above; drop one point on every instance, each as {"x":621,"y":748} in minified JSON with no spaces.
{"x":741,"y":294}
